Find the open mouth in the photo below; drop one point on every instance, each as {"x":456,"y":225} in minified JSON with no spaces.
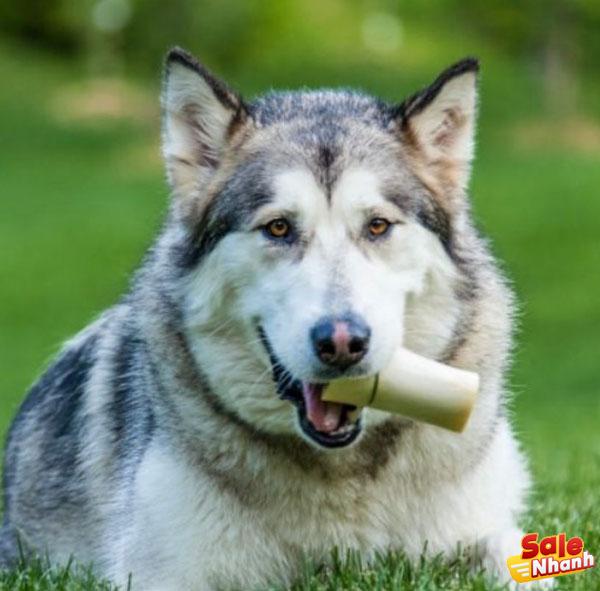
{"x":330,"y":424}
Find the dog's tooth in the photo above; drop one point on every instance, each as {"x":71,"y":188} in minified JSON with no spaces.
{"x":333,"y":413}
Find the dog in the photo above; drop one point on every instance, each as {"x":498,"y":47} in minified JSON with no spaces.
{"x":181,"y":438}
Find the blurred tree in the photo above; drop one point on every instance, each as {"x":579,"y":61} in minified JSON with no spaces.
{"x":219,"y":29}
{"x":56,"y":24}
{"x":557,"y":37}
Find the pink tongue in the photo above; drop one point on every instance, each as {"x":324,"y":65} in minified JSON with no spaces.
{"x":325,"y":416}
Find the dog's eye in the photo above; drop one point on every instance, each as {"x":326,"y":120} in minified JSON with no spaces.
{"x":378,"y":227}
{"x":279,"y":228}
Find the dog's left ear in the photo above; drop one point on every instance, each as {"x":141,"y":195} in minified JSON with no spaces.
{"x":438,"y":124}
{"x":200,"y":114}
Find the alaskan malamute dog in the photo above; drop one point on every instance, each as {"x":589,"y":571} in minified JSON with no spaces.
{"x":182,"y":437}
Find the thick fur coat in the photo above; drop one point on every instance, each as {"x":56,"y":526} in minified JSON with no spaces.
{"x":174,"y":438}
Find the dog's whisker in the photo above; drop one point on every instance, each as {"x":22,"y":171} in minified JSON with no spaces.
{"x":255,"y":384}
{"x":220,"y":327}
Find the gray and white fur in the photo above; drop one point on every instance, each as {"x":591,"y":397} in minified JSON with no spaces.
{"x":175,"y":438}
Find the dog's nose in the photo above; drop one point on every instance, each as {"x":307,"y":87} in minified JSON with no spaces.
{"x":341,"y":342}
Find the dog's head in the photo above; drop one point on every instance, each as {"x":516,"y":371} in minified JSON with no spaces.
{"x":314,"y":233}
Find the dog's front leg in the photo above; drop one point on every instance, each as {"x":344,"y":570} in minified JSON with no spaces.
{"x":492,"y":552}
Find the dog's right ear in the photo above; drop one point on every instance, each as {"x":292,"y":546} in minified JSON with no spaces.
{"x":438,"y":123}
{"x":199,"y":115}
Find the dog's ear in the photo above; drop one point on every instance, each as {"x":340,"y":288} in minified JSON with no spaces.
{"x":199,"y":115}
{"x":438,"y":124}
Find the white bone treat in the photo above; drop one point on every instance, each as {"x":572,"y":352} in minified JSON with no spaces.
{"x":415,"y":387}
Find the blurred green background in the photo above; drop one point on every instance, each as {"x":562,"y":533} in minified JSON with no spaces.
{"x":82,"y":189}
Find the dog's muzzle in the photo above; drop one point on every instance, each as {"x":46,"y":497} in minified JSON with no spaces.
{"x":329,"y":424}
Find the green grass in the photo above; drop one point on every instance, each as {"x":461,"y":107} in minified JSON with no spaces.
{"x":38,"y":575}
{"x":392,"y":571}
{"x":81,"y":200}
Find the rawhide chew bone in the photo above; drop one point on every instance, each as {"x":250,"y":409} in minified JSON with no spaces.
{"x":415,"y":387}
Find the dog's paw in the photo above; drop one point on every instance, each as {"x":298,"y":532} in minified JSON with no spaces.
{"x":542,"y":585}
{"x":492,"y":553}
{"x":537,"y":585}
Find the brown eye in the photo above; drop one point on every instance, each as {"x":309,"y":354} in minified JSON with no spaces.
{"x":378,"y":227}
{"x":279,"y":228}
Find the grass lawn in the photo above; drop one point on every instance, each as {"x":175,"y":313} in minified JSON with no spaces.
{"x":80,"y":200}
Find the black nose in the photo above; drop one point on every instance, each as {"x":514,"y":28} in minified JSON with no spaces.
{"x":341,"y":342}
